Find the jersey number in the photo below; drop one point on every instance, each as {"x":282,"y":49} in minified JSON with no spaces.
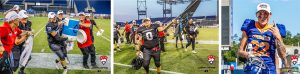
{"x":264,"y":45}
{"x":149,"y":36}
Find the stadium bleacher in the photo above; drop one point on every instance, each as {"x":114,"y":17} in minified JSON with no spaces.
{"x":207,"y":20}
{"x":18,"y":2}
{"x":38,"y":1}
{"x":81,"y":5}
{"x":100,"y":6}
{"x":60,"y":3}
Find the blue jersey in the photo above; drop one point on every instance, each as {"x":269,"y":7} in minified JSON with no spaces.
{"x":262,"y":41}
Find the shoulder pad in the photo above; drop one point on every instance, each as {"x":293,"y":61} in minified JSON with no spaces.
{"x":282,"y":30}
{"x":246,"y":24}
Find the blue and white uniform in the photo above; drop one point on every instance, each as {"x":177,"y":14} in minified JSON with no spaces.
{"x":262,"y":44}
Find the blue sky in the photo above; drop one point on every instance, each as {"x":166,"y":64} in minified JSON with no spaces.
{"x":285,"y":12}
{"x":125,"y":10}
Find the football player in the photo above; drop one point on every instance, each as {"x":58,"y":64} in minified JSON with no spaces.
{"x":259,"y":42}
{"x":148,"y":40}
{"x":55,"y":41}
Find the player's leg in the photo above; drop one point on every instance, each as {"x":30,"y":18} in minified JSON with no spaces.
{"x":65,"y":51}
{"x":181,"y":40}
{"x":58,"y":50}
{"x":127,"y":37}
{"x":161,"y":43}
{"x":147,"y":58}
{"x":93,"y":56}
{"x":189,"y":40}
{"x":22,"y":68}
{"x":156,"y":56}
{"x":16,"y":51}
{"x":176,"y":41}
{"x":84,"y":52}
{"x":193,"y":45}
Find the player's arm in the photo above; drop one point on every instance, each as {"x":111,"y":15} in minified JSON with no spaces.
{"x":22,"y":37}
{"x":87,"y":25}
{"x":94,"y":23}
{"x":277,"y":64}
{"x":282,"y":51}
{"x":241,"y":51}
{"x":168,"y":25}
{"x":1,"y":47}
{"x":139,"y":44}
{"x":279,"y":45}
{"x":2,"y":34}
{"x":57,"y":37}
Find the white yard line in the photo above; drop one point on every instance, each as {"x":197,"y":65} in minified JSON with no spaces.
{"x":102,"y":36}
{"x":165,"y":71}
{"x":105,"y":38}
{"x":35,"y":35}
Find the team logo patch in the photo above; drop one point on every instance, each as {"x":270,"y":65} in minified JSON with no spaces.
{"x":103,"y":59}
{"x":211,"y":59}
{"x":294,"y":59}
{"x":49,"y":28}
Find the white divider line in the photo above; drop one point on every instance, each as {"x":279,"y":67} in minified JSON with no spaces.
{"x":170,"y":72}
{"x":102,"y":36}
{"x":105,"y":38}
{"x":35,"y":35}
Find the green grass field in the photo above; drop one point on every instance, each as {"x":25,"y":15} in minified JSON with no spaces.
{"x":40,"y":43}
{"x":175,"y":60}
{"x":204,"y":34}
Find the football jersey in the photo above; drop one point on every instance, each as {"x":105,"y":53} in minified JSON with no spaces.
{"x":261,"y":40}
{"x":149,"y":35}
{"x":190,"y":29}
{"x":116,"y":32}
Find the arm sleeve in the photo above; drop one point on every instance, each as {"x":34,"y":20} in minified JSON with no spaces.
{"x":3,"y":32}
{"x":18,"y":31}
{"x":50,"y":29}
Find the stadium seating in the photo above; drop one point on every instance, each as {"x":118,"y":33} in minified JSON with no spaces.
{"x":209,"y":20}
{"x":18,"y":2}
{"x":100,"y":6}
{"x":39,"y":1}
{"x":81,"y":5}
{"x":60,"y":3}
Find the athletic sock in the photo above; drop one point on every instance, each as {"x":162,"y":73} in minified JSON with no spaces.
{"x":158,"y":70}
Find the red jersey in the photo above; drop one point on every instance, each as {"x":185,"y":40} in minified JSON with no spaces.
{"x":87,"y":31}
{"x":8,"y":36}
{"x":127,"y":28}
{"x":161,"y":34}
